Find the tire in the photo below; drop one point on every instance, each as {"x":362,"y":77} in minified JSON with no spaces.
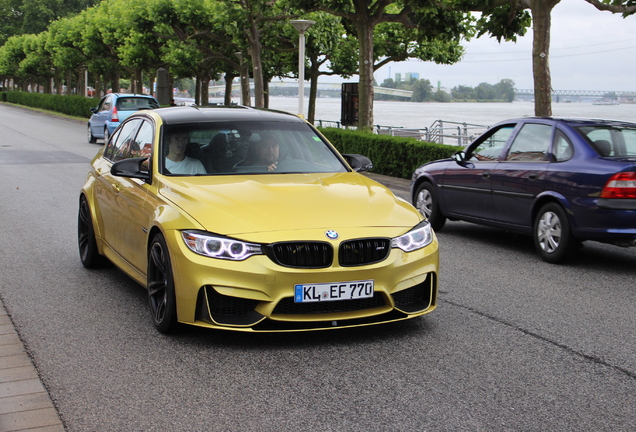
{"x":106,"y":135}
{"x":161,"y":297}
{"x":91,"y":137}
{"x":552,"y":235}
{"x":89,"y":254}
{"x":428,"y":205}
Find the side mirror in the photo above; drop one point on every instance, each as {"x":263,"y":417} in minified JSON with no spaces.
{"x":131,"y":168}
{"x":460,"y":156}
{"x":358,"y":162}
{"x":94,"y":110}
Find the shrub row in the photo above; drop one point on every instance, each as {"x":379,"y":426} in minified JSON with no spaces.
{"x":392,"y":156}
{"x":76,"y":106}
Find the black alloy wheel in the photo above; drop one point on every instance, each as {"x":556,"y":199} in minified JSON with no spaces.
{"x":427,"y":204}
{"x":89,"y":254}
{"x":161,"y":297}
{"x":552,"y":236}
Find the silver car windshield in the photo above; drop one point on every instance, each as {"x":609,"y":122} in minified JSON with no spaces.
{"x":234,"y":148}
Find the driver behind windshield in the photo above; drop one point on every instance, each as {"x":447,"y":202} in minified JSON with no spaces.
{"x":263,"y":153}
{"x":176,"y":160}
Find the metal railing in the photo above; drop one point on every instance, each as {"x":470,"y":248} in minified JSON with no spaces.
{"x":460,"y":134}
{"x":441,"y":132}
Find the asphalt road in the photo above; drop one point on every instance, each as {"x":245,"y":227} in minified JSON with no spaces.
{"x":515,"y":344}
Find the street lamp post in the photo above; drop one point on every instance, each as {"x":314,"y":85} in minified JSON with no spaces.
{"x":301,"y":26}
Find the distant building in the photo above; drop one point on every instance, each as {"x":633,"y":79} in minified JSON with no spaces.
{"x":412,"y":75}
{"x":398,"y":77}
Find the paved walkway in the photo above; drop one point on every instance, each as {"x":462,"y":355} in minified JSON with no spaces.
{"x":25,"y":404}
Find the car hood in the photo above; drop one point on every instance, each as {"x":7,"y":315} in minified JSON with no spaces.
{"x":235,"y":205}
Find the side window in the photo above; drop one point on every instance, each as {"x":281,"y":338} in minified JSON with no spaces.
{"x":490,"y":146}
{"x":110,"y":145}
{"x":107,"y":104}
{"x":563,"y":149}
{"x":531,"y":143}
{"x":629,"y":136}
{"x":100,"y":107}
{"x":143,"y":141}
{"x":125,"y":145}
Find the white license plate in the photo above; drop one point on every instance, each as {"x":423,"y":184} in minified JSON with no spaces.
{"x":333,"y":291}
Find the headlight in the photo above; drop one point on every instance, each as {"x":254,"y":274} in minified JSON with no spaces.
{"x":417,"y":238}
{"x":219,"y":247}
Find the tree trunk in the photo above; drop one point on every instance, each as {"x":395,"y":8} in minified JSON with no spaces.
{"x":313,"y":92}
{"x":229,"y":79}
{"x":197,"y":91}
{"x":246,"y":98}
{"x":116,"y":82}
{"x":365,"y":88}
{"x":205,"y":90}
{"x":265,"y":93}
{"x":68,"y":83}
{"x":137,"y":82}
{"x":541,"y":10}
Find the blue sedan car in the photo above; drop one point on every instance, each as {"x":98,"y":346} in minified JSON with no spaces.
{"x":563,"y":181}
{"x":113,"y":109}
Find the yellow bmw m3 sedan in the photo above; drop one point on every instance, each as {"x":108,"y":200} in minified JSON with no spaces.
{"x":244,"y":219}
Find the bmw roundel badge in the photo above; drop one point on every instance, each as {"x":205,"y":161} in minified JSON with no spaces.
{"x":331,"y":234}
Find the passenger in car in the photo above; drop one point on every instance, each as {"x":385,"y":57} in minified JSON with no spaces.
{"x":176,"y":160}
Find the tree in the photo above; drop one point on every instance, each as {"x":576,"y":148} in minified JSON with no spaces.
{"x":485,"y":91}
{"x":463,"y":92}
{"x":249,"y":19}
{"x":361,"y":17}
{"x":34,"y":16}
{"x":195,"y":40}
{"x":503,"y":10}
{"x":505,"y":90}
{"x":422,"y":90}
{"x":326,"y":43}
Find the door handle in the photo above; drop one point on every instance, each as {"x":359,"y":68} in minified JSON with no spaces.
{"x":533,"y":176}
{"x":485,"y":174}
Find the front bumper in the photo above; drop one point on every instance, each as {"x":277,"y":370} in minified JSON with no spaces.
{"x":257,"y":294}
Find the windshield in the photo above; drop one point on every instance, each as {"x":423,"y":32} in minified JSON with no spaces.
{"x":611,"y":140}
{"x":246,"y":148}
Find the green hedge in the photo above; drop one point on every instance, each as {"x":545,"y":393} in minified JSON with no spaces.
{"x":76,"y":106}
{"x":392,"y":156}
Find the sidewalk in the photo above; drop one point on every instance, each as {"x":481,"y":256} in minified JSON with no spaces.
{"x":24,"y":402}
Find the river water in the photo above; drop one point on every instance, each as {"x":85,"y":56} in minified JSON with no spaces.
{"x":424,"y":114}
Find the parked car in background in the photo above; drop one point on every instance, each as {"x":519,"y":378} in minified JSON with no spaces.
{"x":563,"y":181}
{"x":243,"y":219}
{"x":113,"y":109}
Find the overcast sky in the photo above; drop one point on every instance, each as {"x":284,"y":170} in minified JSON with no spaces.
{"x":590,"y":50}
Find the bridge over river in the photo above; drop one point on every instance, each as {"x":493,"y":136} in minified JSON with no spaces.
{"x":582,"y":95}
{"x":520,"y":94}
{"x":321,"y":86}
